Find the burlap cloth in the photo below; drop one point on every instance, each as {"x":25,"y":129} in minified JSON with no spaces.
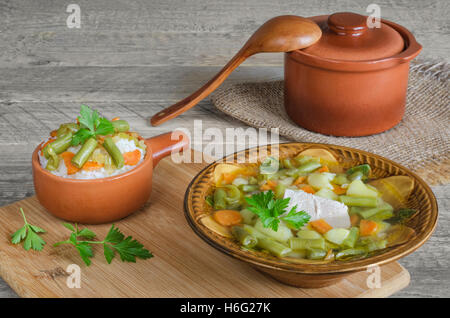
{"x":420,"y":141}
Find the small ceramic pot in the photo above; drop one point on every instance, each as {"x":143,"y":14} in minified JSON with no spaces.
{"x":353,"y":81}
{"x":107,"y":199}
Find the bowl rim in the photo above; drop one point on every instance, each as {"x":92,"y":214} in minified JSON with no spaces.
{"x":310,"y":268}
{"x":36,"y":165}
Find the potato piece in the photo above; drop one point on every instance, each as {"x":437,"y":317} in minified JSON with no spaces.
{"x":224,"y":168}
{"x":321,"y":180}
{"x":323,"y":154}
{"x":358,"y":189}
{"x":394,"y":190}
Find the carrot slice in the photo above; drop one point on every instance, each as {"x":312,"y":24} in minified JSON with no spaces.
{"x":320,"y":226}
{"x":67,"y":157}
{"x":339,"y":190}
{"x":354,"y":219}
{"x":227,"y":217}
{"x":92,"y":165}
{"x":308,"y":189}
{"x":115,"y":118}
{"x":324,"y":169}
{"x":132,"y":157}
{"x":367,"y":227}
{"x":53,"y":133}
{"x":299,"y":180}
{"x":228,"y":177}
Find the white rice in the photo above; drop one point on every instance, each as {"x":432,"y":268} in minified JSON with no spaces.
{"x":123,"y":144}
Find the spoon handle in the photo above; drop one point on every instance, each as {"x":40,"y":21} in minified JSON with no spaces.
{"x":192,"y":100}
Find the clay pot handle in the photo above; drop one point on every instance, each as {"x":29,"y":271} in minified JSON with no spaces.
{"x":163,"y":145}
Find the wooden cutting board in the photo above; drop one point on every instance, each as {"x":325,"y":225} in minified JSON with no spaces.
{"x":183,"y":265}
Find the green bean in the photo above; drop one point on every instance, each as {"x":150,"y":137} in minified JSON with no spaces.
{"x":350,"y":252}
{"x":270,"y":165}
{"x":65,"y":128}
{"x":248,"y":217}
{"x":304,"y":159}
{"x":249,"y":187}
{"x":301,"y":244}
{"x":315,"y":253}
{"x":219,"y":199}
{"x":308,"y":234}
{"x":371,"y":212}
{"x":354,"y":201}
{"x":383,"y":215}
{"x":352,"y":237}
{"x":287,"y":163}
{"x":252,"y":180}
{"x":85,"y":152}
{"x":59,"y":145}
{"x":273,"y":246}
{"x":120,"y":125}
{"x":309,"y":167}
{"x":376,"y":245}
{"x":254,"y":232}
{"x":245,"y":238}
{"x":53,"y":160}
{"x":234,"y":195}
{"x":362,"y":171}
{"x":114,"y":152}
{"x":209,"y":200}
{"x":341,"y":179}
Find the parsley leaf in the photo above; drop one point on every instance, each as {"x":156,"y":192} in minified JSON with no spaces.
{"x":91,"y":125}
{"x":29,"y":233}
{"x":128,"y":248}
{"x":271,"y":211}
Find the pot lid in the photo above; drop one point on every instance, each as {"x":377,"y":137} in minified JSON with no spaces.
{"x":346,"y":36}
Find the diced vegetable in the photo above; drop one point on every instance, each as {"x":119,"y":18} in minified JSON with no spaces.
{"x":350,"y":252}
{"x":67,"y":157}
{"x":320,"y":226}
{"x":114,"y":152}
{"x":300,"y":244}
{"x":316,"y":254}
{"x":358,"y":189}
{"x":308,"y":189}
{"x":132,"y":157}
{"x":91,"y":166}
{"x":321,"y":180}
{"x":279,"y":190}
{"x":327,"y":194}
{"x":351,"y":239}
{"x":120,"y":125}
{"x":59,"y":145}
{"x":367,"y":227}
{"x":273,"y":246}
{"x":336,"y":236}
{"x":283,"y":234}
{"x":269,"y":166}
{"x":308,"y":235}
{"x":356,"y":201}
{"x":341,"y":179}
{"x":85,"y":151}
{"x":308,"y":167}
{"x":219,"y":199}
{"x":382,"y":207}
{"x":248,"y":217}
{"x":240,"y":181}
{"x":228,"y":217}
{"x":245,"y":238}
{"x":362,"y":170}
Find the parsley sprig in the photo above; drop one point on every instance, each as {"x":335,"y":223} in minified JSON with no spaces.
{"x":29,"y":232}
{"x":271,"y":211}
{"x":128,"y":248}
{"x":91,"y":125}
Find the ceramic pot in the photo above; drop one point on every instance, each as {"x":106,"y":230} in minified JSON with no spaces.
{"x":107,"y":199}
{"x":353,"y":81}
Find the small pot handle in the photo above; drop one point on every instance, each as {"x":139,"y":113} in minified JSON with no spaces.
{"x":163,"y":145}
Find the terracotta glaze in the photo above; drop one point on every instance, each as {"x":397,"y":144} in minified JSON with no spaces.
{"x":353,"y":81}
{"x":103,"y":200}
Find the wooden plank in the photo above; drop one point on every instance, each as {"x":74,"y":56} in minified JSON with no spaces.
{"x":162,"y":32}
{"x":177,"y":270}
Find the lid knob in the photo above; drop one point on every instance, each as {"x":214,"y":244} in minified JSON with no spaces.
{"x":347,"y":23}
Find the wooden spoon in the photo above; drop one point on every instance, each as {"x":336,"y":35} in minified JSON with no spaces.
{"x":280,"y":34}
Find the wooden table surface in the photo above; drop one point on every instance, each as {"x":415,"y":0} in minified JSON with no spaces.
{"x":133,"y":58}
